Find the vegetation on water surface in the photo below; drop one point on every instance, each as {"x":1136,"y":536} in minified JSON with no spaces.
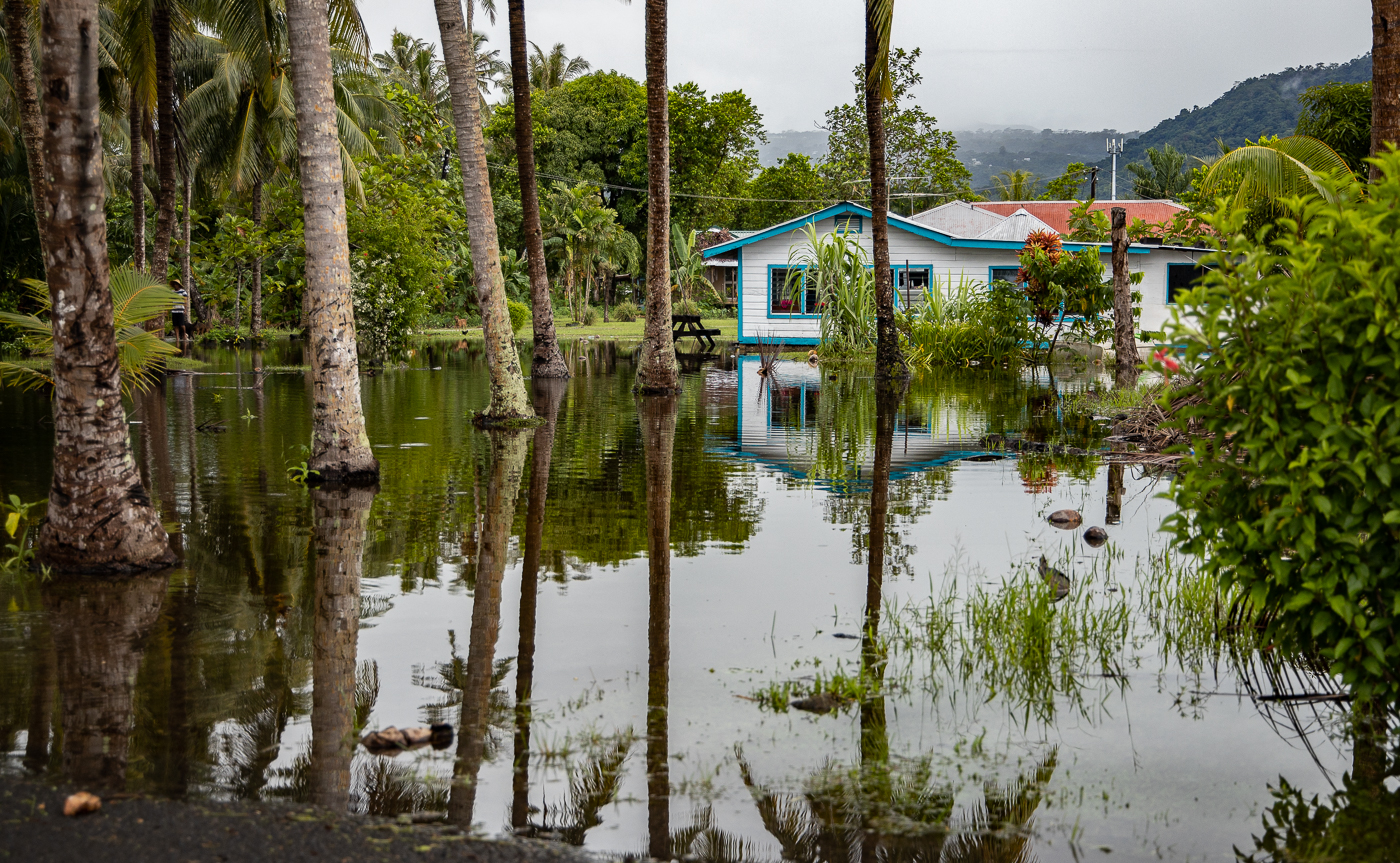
{"x":966,"y":323}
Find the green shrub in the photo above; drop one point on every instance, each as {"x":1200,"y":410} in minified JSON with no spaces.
{"x":625,"y":312}
{"x":1291,"y":492}
{"x":965,"y":323}
{"x":591,"y":316}
{"x":687,"y":307}
{"x":519,"y":314}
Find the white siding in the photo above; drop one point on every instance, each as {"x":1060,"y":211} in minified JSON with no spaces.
{"x":946,"y":262}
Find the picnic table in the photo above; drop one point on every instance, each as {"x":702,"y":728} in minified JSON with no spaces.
{"x":689,"y":326}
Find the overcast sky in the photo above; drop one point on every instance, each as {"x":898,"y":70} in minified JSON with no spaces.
{"x":1069,"y":64}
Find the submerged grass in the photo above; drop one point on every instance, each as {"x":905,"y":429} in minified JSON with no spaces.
{"x":976,"y":640}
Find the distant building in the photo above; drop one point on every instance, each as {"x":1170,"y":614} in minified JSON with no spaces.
{"x":948,"y":243}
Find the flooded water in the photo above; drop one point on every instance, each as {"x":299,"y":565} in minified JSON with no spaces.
{"x":617,"y":612}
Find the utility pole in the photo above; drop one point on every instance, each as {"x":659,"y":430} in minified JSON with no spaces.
{"x":1094,"y":183}
{"x":1115,"y":148}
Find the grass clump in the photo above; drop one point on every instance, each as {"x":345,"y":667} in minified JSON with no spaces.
{"x":624,"y":312}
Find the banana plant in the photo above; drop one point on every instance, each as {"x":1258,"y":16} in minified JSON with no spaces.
{"x":136,"y":298}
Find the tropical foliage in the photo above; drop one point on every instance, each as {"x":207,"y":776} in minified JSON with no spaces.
{"x":834,"y":271}
{"x":966,"y":323}
{"x":1163,"y":177}
{"x":1289,"y":492}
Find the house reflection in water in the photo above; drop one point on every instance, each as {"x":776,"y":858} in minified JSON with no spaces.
{"x":818,"y":426}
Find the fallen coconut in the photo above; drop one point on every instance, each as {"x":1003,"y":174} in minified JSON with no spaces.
{"x":81,"y":803}
{"x":1065,"y":519}
{"x":1096,"y":536}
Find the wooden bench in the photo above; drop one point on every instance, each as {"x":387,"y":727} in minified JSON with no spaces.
{"x":689,"y":326}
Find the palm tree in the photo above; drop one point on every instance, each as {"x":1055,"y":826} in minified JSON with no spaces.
{"x":1163,"y":177}
{"x":563,"y":209}
{"x":99,"y":516}
{"x":242,"y":119}
{"x":547,"y":360}
{"x":413,"y":64}
{"x":1385,"y":78}
{"x":509,"y":401}
{"x":1273,"y":169}
{"x":656,"y":362}
{"x":1017,"y":185}
{"x":554,"y":69}
{"x":31,"y":117}
{"x":340,"y":450}
{"x":879,"y":20}
{"x":132,"y":47}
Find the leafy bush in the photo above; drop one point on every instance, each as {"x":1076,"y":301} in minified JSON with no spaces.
{"x":687,"y":307}
{"x":519,"y":314}
{"x":965,"y":323}
{"x":1292,"y":490}
{"x":626,"y":312}
{"x":837,"y":268}
{"x":591,"y":316}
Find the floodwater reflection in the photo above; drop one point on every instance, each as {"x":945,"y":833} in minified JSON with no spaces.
{"x":679,"y":560}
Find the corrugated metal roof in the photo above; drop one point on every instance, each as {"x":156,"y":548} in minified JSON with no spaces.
{"x":1015,"y":227}
{"x":1056,"y":213}
{"x":958,"y":218}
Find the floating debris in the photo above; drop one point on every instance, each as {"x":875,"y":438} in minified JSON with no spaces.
{"x":1096,"y":536}
{"x":1065,"y":519}
{"x":392,"y":741}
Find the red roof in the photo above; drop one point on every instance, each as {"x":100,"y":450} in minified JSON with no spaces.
{"x":1056,"y":213}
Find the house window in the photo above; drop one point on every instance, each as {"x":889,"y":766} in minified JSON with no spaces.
{"x":910,"y":283}
{"x":1182,"y":278}
{"x":1004,"y":274}
{"x":781,"y":300}
{"x":848,"y":223}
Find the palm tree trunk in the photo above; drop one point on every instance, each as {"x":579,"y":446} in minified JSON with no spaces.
{"x":134,"y":116}
{"x":165,"y":139}
{"x":340,"y":448}
{"x":889,"y":359}
{"x":548,"y":361}
{"x":658,"y":420}
{"x":255,"y":304}
{"x":656,"y":364}
{"x":196,"y":305}
{"x":31,"y":114}
{"x":340,"y":521}
{"x":508,"y":447}
{"x":1385,"y":77}
{"x":509,"y":401}
{"x":100,"y":518}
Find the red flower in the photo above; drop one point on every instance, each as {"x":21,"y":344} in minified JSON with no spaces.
{"x":1167,"y":360}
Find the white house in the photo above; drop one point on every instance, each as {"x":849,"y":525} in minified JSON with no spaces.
{"x":951,"y":242}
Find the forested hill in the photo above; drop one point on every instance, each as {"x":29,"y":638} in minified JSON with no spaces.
{"x":1267,"y":105}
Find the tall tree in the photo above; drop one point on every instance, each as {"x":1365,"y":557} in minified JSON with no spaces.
{"x":548,"y":361}
{"x":163,"y":31}
{"x":656,"y":366}
{"x":100,"y":518}
{"x":509,"y":401}
{"x":879,"y":19}
{"x":30,"y":114}
{"x":340,"y":450}
{"x":1125,"y":355}
{"x":1385,"y":77}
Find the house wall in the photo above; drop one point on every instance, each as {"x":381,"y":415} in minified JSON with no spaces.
{"x":945,"y":262}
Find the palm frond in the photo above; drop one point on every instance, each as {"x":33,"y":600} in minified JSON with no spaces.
{"x":1275,"y":169}
{"x":880,"y":16}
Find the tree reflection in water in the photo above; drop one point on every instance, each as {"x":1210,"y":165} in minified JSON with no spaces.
{"x":339,"y":537}
{"x":508,"y":448}
{"x":657,"y":416}
{"x":99,"y":631}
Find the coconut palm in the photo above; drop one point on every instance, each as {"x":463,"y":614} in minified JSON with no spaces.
{"x":412,"y":63}
{"x":136,"y":299}
{"x":547,"y":361}
{"x":1163,"y":177}
{"x":563,"y":219}
{"x":340,"y":450}
{"x":242,"y":119}
{"x":1264,"y":173}
{"x":26,"y":95}
{"x":1385,"y":79}
{"x":99,"y":519}
{"x":879,"y":21}
{"x":509,"y":401}
{"x":657,"y":372}
{"x":554,"y":69}
{"x":1017,"y":185}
